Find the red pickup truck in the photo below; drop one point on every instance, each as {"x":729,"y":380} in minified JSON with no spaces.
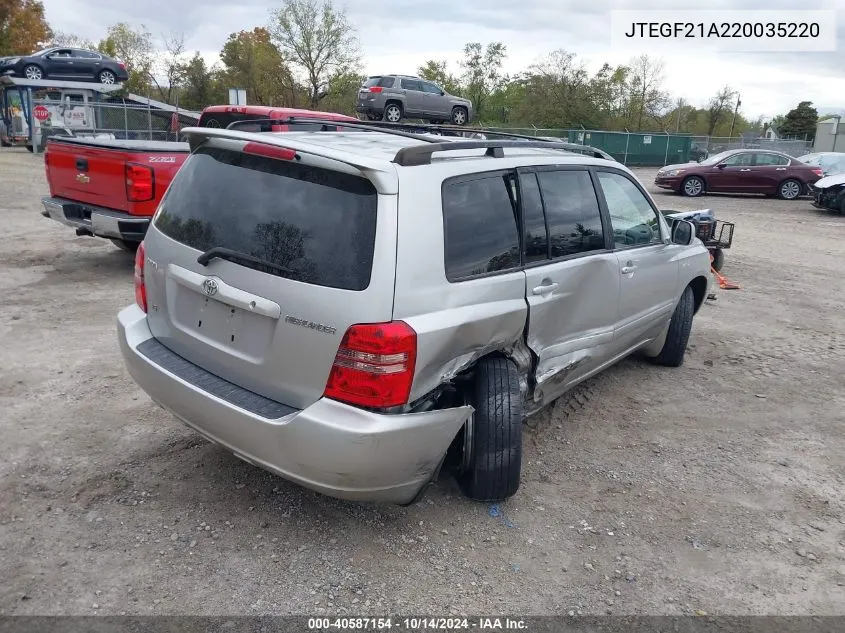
{"x":111,"y":188}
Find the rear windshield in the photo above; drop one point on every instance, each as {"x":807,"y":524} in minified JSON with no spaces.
{"x":317,"y":223}
{"x":384,"y":82}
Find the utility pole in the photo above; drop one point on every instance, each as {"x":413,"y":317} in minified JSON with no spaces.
{"x":678,"y":122}
{"x":736,"y":109}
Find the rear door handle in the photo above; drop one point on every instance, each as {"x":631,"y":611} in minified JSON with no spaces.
{"x":545,"y":289}
{"x":629,"y":268}
{"x":744,"y":170}
{"x":780,"y":169}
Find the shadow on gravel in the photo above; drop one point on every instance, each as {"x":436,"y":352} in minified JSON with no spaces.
{"x":75,"y":265}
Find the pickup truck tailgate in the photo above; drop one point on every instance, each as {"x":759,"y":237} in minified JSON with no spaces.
{"x":94,"y":171}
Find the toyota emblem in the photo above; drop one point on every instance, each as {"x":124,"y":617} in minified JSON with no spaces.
{"x":209,"y":287}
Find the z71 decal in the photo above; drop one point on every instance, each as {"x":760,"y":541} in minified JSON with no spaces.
{"x":162,"y":159}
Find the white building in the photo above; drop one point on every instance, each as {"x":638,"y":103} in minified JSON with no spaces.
{"x":830,"y":135}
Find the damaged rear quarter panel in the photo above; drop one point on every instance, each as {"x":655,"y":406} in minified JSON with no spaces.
{"x":456,"y":323}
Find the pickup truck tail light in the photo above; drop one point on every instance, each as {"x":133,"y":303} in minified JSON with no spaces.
{"x":374,"y":365}
{"x":140,"y":285}
{"x":140,"y":183}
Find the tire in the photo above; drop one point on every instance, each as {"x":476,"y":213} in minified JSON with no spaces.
{"x":718,"y":259}
{"x":125,"y":245}
{"x":692,"y":187}
{"x":29,"y":148}
{"x":392,"y":112}
{"x":33,"y":72}
{"x":107,"y":77}
{"x":492,"y":471}
{"x":672,"y":354}
{"x":790,"y":189}
{"x":459,"y":116}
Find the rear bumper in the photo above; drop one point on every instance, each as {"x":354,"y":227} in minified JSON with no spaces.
{"x":330,"y":447}
{"x":369,"y":108}
{"x":91,"y":220}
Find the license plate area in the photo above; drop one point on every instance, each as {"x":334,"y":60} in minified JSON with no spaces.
{"x":230,"y":329}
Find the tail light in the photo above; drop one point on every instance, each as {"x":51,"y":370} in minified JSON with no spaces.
{"x":140,"y":285}
{"x":140,"y":183}
{"x":270,"y":151}
{"x":374,"y":365}
{"x":374,"y":89}
{"x":122,"y":65}
{"x":818,"y":172}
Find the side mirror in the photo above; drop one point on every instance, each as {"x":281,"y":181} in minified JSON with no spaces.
{"x":721,"y":165}
{"x":683,"y":232}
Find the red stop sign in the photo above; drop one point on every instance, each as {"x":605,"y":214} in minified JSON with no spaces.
{"x":41,"y":113}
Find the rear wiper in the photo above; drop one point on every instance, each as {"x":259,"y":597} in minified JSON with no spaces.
{"x":236,"y":256}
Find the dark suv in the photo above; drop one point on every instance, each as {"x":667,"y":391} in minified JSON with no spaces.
{"x":394,"y":97}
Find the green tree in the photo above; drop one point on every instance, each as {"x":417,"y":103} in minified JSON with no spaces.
{"x":800,"y":122}
{"x":23,"y":27}
{"x":317,"y":39}
{"x":720,"y":108}
{"x":341,"y":93}
{"x":437,"y":72}
{"x":135,"y":48}
{"x":252,"y":62}
{"x":482,"y":74}
{"x":62,"y":38}
{"x":648,"y":99}
{"x":200,"y":85}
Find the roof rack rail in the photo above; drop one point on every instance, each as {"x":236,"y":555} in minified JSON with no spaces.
{"x":421,"y":154}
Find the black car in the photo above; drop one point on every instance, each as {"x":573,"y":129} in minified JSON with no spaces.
{"x":67,"y":64}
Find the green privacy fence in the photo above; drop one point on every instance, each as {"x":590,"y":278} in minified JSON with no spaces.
{"x":629,"y":148}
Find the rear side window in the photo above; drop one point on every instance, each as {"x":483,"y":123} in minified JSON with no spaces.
{"x":318,"y":224}
{"x":479,"y":219}
{"x":384,"y":82}
{"x":572,"y":211}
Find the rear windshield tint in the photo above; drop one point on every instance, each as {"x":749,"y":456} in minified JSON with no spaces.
{"x":317,"y":223}
{"x":384,"y":82}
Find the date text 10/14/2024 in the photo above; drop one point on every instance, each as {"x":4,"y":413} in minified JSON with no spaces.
{"x":416,"y":624}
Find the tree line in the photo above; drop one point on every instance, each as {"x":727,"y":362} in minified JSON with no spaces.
{"x":308,"y":55}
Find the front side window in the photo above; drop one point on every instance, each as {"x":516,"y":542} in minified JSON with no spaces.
{"x":480,"y":226}
{"x":633,"y":219}
{"x":429,"y":87}
{"x":572,"y":212}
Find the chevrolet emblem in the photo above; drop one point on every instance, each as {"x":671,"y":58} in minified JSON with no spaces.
{"x":83,"y":179}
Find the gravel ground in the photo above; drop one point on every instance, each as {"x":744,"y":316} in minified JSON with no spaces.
{"x":716,"y":487}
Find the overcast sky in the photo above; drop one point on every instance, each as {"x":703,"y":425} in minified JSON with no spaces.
{"x":398,"y":35}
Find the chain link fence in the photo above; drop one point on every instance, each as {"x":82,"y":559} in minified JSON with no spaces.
{"x":118,"y":120}
{"x":639,"y":149}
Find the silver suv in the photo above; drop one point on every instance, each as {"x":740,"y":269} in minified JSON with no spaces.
{"x":394,"y":97}
{"x":357,"y":310}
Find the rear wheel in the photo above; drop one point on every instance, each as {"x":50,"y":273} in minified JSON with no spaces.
{"x":492,"y":452}
{"x":107,"y":77}
{"x":459,"y":116}
{"x":125,"y":245}
{"x":790,"y":189}
{"x":393,"y":113}
{"x":672,"y":353}
{"x":692,"y":187}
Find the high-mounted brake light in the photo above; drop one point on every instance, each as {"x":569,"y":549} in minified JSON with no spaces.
{"x":270,"y":151}
{"x":140,"y":183}
{"x":374,"y":365}
{"x":140,"y":285}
